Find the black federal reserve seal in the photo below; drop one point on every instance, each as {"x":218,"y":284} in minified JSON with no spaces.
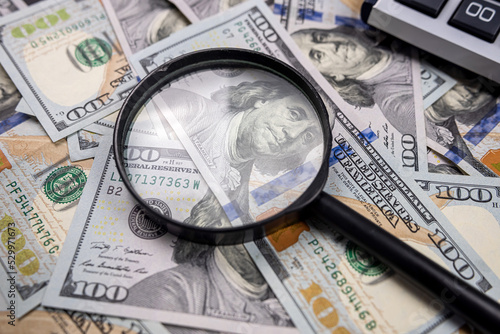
{"x":142,"y":226}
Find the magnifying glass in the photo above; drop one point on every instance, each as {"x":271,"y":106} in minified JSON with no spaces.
{"x":260,"y":139}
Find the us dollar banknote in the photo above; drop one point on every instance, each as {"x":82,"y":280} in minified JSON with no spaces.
{"x":378,"y":78}
{"x":102,"y":126}
{"x":139,"y":24}
{"x":298,"y":15}
{"x":463,"y":124}
{"x":408,"y":213}
{"x":60,"y":321}
{"x":469,"y":199}
{"x":39,"y":192}
{"x":118,"y":262}
{"x":292,"y":13}
{"x":56,"y":321}
{"x":352,"y":284}
{"x":246,"y":25}
{"x":66,"y":62}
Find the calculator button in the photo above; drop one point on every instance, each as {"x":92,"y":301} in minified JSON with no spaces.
{"x":429,"y":7}
{"x":478,"y":17}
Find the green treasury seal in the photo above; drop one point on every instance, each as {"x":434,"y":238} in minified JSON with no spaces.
{"x":93,"y":52}
{"x":65,"y":184}
{"x":363,"y":262}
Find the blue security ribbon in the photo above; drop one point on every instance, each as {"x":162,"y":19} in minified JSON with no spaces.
{"x":310,"y":15}
{"x":232,"y":210}
{"x":283,"y":183}
{"x":484,"y":126}
{"x":13,"y":121}
{"x":455,"y":154}
{"x":350,"y":22}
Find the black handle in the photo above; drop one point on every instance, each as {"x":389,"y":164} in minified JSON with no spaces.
{"x":473,"y":306}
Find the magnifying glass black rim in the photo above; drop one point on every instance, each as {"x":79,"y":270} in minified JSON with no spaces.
{"x":209,"y":59}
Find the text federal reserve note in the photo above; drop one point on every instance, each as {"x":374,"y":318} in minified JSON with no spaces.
{"x":65,"y":60}
{"x":118,"y":262}
{"x":39,"y":192}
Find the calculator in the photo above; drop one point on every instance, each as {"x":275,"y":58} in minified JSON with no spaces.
{"x":464,"y":32}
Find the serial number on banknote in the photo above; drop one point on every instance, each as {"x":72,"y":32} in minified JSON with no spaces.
{"x":314,"y":290}
{"x":159,"y":180}
{"x":56,"y":35}
{"x":251,"y":42}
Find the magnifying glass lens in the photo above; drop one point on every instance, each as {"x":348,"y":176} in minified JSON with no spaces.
{"x":224,"y":146}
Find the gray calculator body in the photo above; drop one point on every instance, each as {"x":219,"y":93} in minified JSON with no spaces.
{"x":464,"y":32}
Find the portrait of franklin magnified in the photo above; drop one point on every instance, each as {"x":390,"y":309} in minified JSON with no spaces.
{"x":261,"y":125}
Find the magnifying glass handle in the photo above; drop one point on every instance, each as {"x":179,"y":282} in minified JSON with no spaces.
{"x":473,"y":306}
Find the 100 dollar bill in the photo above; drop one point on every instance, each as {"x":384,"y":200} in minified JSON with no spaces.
{"x":67,"y":63}
{"x":139,"y":24}
{"x":118,"y":262}
{"x":72,"y":322}
{"x":246,"y":26}
{"x":378,"y":79}
{"x":355,"y":301}
{"x":39,"y":192}
{"x":472,"y":206}
{"x":364,"y":179}
{"x":462,"y":125}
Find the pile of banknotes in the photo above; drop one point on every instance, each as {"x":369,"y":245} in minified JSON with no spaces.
{"x":423,"y":164}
